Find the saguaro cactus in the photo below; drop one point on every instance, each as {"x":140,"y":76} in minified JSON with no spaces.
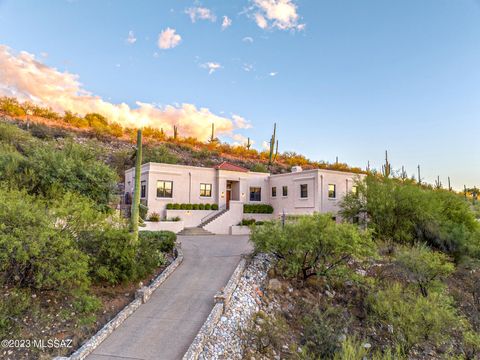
{"x":212,"y":135}
{"x":272,"y":145}
{"x":419,"y":178}
{"x":449,"y":186}
{"x":135,"y":216}
{"x":175,"y":132}
{"x":438,"y":183}
{"x":248,"y":144}
{"x":276,"y":152}
{"x":403,"y":174}
{"x":387,"y":168}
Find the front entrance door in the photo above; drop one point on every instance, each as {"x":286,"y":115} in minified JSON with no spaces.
{"x":229,"y":195}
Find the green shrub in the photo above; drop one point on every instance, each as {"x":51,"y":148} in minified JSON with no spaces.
{"x":183,"y":206}
{"x":170,"y":206}
{"x":214,"y":207}
{"x":415,"y":319}
{"x":165,"y":239}
{"x":175,"y":218}
{"x":195,"y":207}
{"x":313,"y":244}
{"x":424,"y":266}
{"x":259,"y":167}
{"x":34,"y":252}
{"x":247,"y":222}
{"x":176,"y":206}
{"x":189,"y":207}
{"x":201,"y":206}
{"x":13,"y":304}
{"x":155,"y":217}
{"x":158,"y":154}
{"x":257,"y":209}
{"x":208,"y":206}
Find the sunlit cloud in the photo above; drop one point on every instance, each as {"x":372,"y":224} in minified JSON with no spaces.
{"x":247,"y":67}
{"x":26,"y":78}
{"x":131,"y":39}
{"x":227,"y":22}
{"x":200,"y":13}
{"x":211,"y":66}
{"x":168,"y":39}
{"x":279,"y":14}
{"x":247,"y":39}
{"x":241,"y":122}
{"x":273,"y":73}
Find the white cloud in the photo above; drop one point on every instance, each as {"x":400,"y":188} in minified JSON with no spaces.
{"x":131,"y":39}
{"x":265,"y":145}
{"x":200,"y":13}
{"x":168,"y":39}
{"x":247,"y":67}
{"x":211,"y":66}
{"x":273,"y":73}
{"x":241,"y":140}
{"x":241,"y":122}
{"x":23,"y":76}
{"x":280,"y":14}
{"x":248,"y":39}
{"x":227,"y":22}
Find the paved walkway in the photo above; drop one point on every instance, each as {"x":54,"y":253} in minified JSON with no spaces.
{"x":164,"y":327}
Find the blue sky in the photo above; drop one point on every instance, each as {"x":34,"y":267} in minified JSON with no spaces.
{"x":352,"y":78}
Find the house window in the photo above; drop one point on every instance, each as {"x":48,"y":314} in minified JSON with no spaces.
{"x":274,"y":191}
{"x":143,"y":189}
{"x":206,"y":190}
{"x":284,"y":190}
{"x":303,"y":191}
{"x":255,"y":194}
{"x":164,"y":189}
{"x":354,"y":190}
{"x":332,"y":191}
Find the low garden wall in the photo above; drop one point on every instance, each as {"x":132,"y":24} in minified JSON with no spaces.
{"x":191,"y":218}
{"x":259,"y":217}
{"x":239,"y":230}
{"x":173,"y":226}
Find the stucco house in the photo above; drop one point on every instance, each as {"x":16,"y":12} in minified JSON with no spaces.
{"x":230,"y":187}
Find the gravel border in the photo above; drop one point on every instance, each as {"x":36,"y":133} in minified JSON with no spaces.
{"x":142,"y":295}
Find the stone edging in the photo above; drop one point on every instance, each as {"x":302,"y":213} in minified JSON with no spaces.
{"x":142,"y":295}
{"x":221,"y":299}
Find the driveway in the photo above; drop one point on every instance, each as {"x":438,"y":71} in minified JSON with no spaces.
{"x":164,"y":327}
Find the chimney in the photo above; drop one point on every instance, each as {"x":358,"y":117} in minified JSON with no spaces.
{"x":296,"y":169}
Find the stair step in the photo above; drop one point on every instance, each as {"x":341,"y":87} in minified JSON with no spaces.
{"x":213,"y":218}
{"x":194,"y":231}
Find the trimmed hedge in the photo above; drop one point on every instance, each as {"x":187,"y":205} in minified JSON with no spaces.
{"x":257,"y":209}
{"x":192,"y":206}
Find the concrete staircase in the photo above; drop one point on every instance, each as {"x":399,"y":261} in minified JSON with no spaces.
{"x":217,"y":215}
{"x":194,"y":231}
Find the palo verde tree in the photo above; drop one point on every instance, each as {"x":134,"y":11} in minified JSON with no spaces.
{"x":135,"y":216}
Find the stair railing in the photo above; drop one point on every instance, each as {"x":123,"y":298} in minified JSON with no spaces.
{"x":221,"y":209}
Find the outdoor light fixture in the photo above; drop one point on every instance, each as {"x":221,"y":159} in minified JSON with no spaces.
{"x":243,"y":194}
{"x":223,"y":194}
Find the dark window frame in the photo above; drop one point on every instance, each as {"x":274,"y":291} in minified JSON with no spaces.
{"x":206,"y":191}
{"x":254,"y":191}
{"x":143,"y":189}
{"x":334,"y":191}
{"x":274,"y":191}
{"x":303,"y":191}
{"x":285,"y":190}
{"x":162,"y":191}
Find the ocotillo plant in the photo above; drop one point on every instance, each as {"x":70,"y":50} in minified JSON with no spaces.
{"x":136,"y":192}
{"x":175,"y":132}
{"x":387,"y":168}
{"x":272,"y":144}
{"x":438,"y":183}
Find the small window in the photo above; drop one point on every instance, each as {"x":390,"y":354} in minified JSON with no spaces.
{"x":284,"y":190}
{"x":143,"y":189}
{"x":274,"y":191}
{"x":164,"y":189}
{"x":355,"y":190}
{"x":332,"y":191}
{"x":206,"y":190}
{"x":304,"y":191}
{"x":255,"y":194}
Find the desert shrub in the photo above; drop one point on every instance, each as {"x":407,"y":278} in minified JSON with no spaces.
{"x":155,"y":217}
{"x":208,"y":206}
{"x":415,"y":319}
{"x":405,"y":213}
{"x":195,"y":207}
{"x":201,"y":206}
{"x":257,"y":209}
{"x":164,"y":239}
{"x":13,"y":304}
{"x":270,"y":334}
{"x":176,"y":206}
{"x":259,"y":167}
{"x":214,"y":207}
{"x":34,"y":252}
{"x":189,"y":207}
{"x":353,"y":349}
{"x":159,"y":154}
{"x":11,"y":107}
{"x":169,"y":206}
{"x":424,"y":266}
{"x":183,"y":206}
{"x":313,"y":244}
{"x":247,"y":222}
